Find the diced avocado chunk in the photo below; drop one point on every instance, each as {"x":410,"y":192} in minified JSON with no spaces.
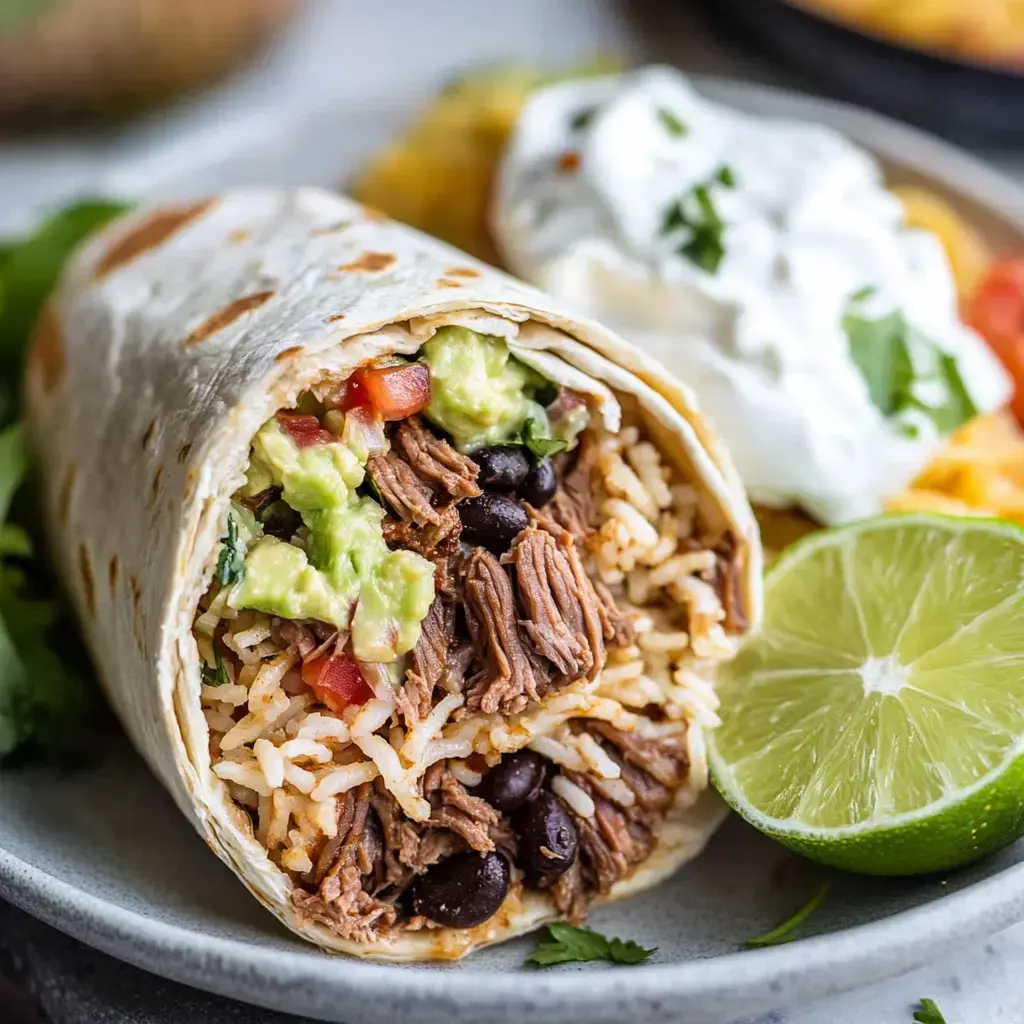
{"x":479,"y":392}
{"x":280,"y":581}
{"x":346,"y":565}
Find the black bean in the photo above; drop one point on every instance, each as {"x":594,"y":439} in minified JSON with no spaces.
{"x":514,"y":781}
{"x":492,"y":520}
{"x":540,"y":484}
{"x":548,"y":839}
{"x":462,"y":891}
{"x":503,"y":467}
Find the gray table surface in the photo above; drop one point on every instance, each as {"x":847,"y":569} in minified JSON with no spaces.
{"x":47,"y":978}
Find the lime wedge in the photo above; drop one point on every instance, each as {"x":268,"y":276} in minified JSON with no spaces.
{"x":877,"y":721}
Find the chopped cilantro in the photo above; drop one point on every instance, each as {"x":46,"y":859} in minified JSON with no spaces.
{"x":541,"y":446}
{"x":231,"y":562}
{"x":581,"y":945}
{"x":582,"y":119}
{"x":928,"y":1013}
{"x":673,"y":125}
{"x":864,"y":293}
{"x":895,"y":360}
{"x":726,"y":176}
{"x":218,"y":675}
{"x":696,"y":213}
{"x":784,"y":932}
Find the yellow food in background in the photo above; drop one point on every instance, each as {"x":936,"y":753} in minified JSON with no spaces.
{"x":990,"y":30}
{"x":438,"y":177}
{"x":969,"y":256}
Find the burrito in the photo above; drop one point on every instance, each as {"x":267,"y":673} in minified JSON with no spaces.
{"x":407,"y":583}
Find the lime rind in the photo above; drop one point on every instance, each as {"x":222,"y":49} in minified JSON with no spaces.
{"x":897,"y":748}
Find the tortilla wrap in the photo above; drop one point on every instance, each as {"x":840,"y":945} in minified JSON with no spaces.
{"x":172,"y":337}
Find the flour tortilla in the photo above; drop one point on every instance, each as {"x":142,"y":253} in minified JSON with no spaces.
{"x":172,"y":337}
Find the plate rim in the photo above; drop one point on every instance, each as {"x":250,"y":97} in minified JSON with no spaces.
{"x":731,"y":983}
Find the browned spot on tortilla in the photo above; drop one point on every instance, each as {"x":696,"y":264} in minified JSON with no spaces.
{"x":238,"y":236}
{"x":370,"y":263}
{"x":154,"y":490}
{"x":334,"y":319}
{"x":148,"y":435}
{"x":445,"y":283}
{"x":372,"y":213}
{"x":112,"y":571}
{"x":133,"y":582}
{"x":462,"y":272}
{"x":289,"y":353}
{"x":332,"y":229}
{"x":47,"y":353}
{"x":232,"y":311}
{"x":156,"y":229}
{"x":183,"y":452}
{"x":88,"y":586}
{"x":191,"y":476}
{"x":64,"y":498}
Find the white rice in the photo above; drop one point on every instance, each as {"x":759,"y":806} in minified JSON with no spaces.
{"x":579,"y":801}
{"x":341,"y":780}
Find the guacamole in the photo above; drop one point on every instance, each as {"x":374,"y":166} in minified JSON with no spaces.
{"x":479,"y":393}
{"x":346,"y":566}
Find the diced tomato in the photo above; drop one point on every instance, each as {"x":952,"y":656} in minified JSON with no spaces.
{"x":336,"y":681}
{"x":304,"y":430}
{"x":996,"y":312}
{"x":393,"y":391}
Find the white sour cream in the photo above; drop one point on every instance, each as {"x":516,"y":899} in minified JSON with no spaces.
{"x":580,"y":209}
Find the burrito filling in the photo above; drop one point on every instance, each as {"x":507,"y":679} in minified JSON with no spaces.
{"x":456,"y":642}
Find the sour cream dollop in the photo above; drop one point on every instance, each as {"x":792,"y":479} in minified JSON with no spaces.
{"x":765,"y":264}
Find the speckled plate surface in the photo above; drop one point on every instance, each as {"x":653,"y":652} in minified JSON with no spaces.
{"x":103,"y":854}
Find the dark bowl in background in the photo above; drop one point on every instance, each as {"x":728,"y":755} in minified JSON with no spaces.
{"x":977,"y":104}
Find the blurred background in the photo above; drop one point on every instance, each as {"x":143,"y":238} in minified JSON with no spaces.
{"x":132,"y":97}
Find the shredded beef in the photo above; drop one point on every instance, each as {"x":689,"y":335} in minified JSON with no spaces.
{"x":727,"y":584}
{"x":455,"y":809}
{"x":506,"y":681}
{"x":552,"y":600}
{"x":617,"y":626}
{"x":429,"y":661}
{"x":343,"y":869}
{"x":436,"y":461}
{"x":309,"y":639}
{"x":402,"y":489}
{"x":569,"y":893}
{"x":436,"y":542}
{"x":665,"y":759}
{"x":591,"y":609}
{"x":572,"y":507}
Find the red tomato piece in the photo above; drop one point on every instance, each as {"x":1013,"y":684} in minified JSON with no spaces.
{"x":395,"y":392}
{"x":304,"y":430}
{"x":996,"y":312}
{"x":336,"y":681}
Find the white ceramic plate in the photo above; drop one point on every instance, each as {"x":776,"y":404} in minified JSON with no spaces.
{"x":103,"y":854}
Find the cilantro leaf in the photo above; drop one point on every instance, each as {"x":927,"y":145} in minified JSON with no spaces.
{"x":673,"y":125}
{"x":541,"y":446}
{"x":784,"y":932}
{"x":231,"y":561}
{"x":582,"y":119}
{"x":696,"y":213}
{"x":864,"y":293}
{"x":581,"y":945}
{"x":218,"y":675}
{"x":726,"y":176}
{"x":893,"y":357}
{"x":928,"y":1013}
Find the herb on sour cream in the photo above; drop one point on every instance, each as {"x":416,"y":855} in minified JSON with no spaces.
{"x":582,"y":119}
{"x":673,"y":125}
{"x":696,"y":213}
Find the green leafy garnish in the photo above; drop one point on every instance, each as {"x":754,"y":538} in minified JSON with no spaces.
{"x":580,"y":945}
{"x":218,"y":675}
{"x":784,"y":932}
{"x":928,"y":1013}
{"x":541,"y":446}
{"x":673,"y":125}
{"x":864,"y":293}
{"x":582,"y":119}
{"x":726,"y":176}
{"x":899,"y":365}
{"x":231,"y":561}
{"x":695,"y":213}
